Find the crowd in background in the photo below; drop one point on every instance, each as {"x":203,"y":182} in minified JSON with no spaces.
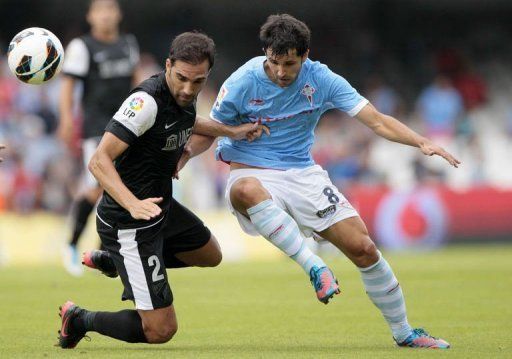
{"x":464,"y":107}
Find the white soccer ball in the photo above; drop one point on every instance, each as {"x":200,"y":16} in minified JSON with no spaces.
{"x":35,"y":55}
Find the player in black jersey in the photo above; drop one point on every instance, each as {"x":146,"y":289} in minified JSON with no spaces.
{"x":143,"y":228}
{"x":104,"y":61}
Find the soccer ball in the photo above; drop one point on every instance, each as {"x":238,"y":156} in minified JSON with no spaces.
{"x":35,"y":55}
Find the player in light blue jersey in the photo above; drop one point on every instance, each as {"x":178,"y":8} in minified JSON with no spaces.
{"x":275,"y":189}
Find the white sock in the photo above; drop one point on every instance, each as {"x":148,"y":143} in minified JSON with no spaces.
{"x":279,"y":228}
{"x":384,"y":291}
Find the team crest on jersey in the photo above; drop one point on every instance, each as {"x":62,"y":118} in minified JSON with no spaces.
{"x":222,"y":93}
{"x":136,"y":103}
{"x":308,"y":91}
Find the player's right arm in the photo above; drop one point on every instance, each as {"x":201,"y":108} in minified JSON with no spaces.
{"x":102,"y":167}
{"x":1,"y":148}
{"x":126,"y":126}
{"x":65,"y":130}
{"x":76,"y":67}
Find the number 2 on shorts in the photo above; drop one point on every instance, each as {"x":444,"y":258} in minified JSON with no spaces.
{"x":153,"y":261}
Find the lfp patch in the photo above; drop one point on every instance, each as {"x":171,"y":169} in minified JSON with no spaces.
{"x":222,"y":93}
{"x":136,"y":103}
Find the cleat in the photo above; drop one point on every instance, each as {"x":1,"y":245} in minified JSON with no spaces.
{"x":324,"y":282}
{"x":101,"y":260}
{"x":419,"y":338}
{"x":68,"y":337}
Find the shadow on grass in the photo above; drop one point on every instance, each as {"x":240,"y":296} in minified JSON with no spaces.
{"x":244,"y":348}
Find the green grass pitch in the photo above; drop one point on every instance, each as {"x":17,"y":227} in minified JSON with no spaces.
{"x":269,"y":310}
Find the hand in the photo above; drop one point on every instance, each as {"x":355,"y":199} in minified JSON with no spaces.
{"x":249,"y":131}
{"x":428,"y":148}
{"x":146,"y":209}
{"x":185,"y":156}
{"x":255,"y":134}
{"x":1,"y":148}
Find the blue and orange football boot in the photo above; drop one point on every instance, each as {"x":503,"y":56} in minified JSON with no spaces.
{"x":324,"y":282}
{"x":419,"y":338}
{"x":101,"y":260}
{"x":68,"y":336}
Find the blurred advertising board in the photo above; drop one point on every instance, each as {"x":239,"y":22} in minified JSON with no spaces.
{"x":431,"y":216}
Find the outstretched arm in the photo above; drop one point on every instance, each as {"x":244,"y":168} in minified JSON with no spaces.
{"x":392,"y":129}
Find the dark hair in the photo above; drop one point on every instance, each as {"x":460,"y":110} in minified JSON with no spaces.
{"x":192,"y":47}
{"x":283,"y":32}
{"x":91,"y":3}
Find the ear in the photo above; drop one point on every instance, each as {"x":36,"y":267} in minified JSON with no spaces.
{"x":305,"y":56}
{"x":168,"y":64}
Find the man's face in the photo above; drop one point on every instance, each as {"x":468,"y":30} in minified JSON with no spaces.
{"x":186,"y":80}
{"x":104,"y":15}
{"x":284,"y":69}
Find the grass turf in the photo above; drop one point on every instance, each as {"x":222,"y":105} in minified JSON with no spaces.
{"x":269,"y":310}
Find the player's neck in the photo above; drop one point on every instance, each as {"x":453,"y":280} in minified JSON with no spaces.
{"x":105,"y":36}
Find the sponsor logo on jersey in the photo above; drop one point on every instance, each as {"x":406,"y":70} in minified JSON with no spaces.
{"x":256,"y":102}
{"x":308,"y":91}
{"x":326,"y":212}
{"x":136,"y":103}
{"x":175,"y":141}
{"x":220,"y":97}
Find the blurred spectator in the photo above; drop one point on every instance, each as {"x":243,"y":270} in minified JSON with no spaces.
{"x":440,"y":106}
{"x":383,"y":97}
{"x":471,"y":87}
{"x":23,"y":197}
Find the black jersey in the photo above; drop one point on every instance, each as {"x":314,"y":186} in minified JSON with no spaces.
{"x":106,"y":70}
{"x":157,"y":129}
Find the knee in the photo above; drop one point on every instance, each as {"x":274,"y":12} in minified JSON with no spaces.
{"x":247,"y":192}
{"x":161,"y":334}
{"x":213,"y":259}
{"x":365,"y":253}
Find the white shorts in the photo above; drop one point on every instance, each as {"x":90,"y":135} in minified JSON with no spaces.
{"x":307,"y":194}
{"x":89,"y":146}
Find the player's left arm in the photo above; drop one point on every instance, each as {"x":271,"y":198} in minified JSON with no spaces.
{"x":391,"y":129}
{"x":196,"y":145}
{"x":249,"y":131}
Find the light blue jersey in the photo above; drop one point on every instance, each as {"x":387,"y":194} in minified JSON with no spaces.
{"x":291,"y":113}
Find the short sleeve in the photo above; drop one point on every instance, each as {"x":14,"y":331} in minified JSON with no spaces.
{"x":136,"y":115}
{"x":224,"y":109}
{"x":341,"y":94}
{"x":76,"y":59}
